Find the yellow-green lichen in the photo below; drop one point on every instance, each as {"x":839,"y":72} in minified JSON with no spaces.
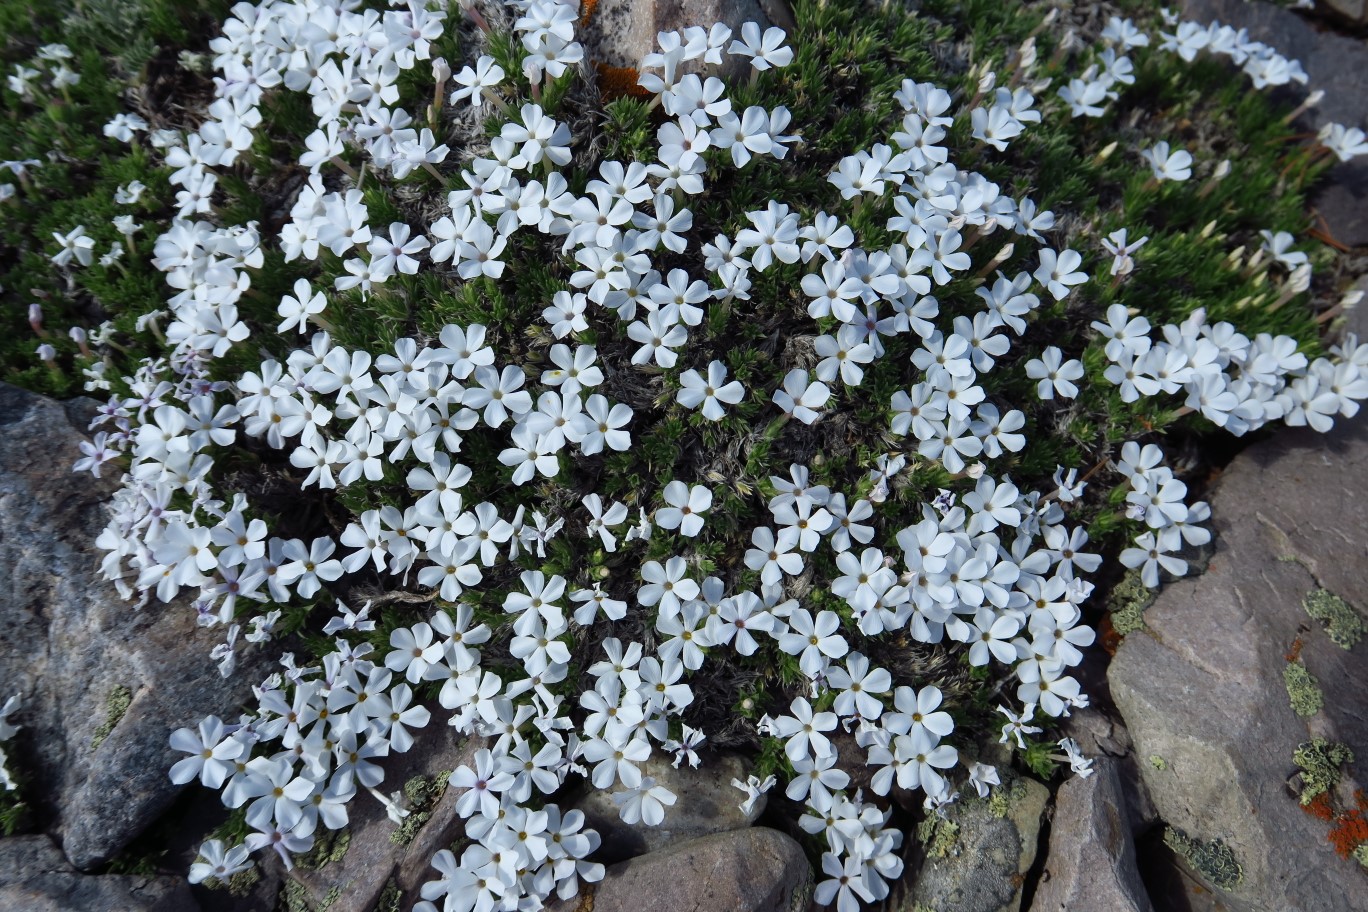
{"x":404,"y":833}
{"x":1002,"y":798}
{"x":1158,"y":762}
{"x":1128,"y":602}
{"x":240,"y":884}
{"x":1361,"y":854}
{"x":116,"y":704}
{"x":329,"y":846}
{"x":1303,"y":690}
{"x":1342,"y":623}
{"x":390,"y":898}
{"x":423,"y":793}
{"x":295,"y":898}
{"x":1212,"y":859}
{"x":1319,"y":761}
{"x":938,"y":836}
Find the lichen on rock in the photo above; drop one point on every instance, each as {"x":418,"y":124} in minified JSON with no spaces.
{"x":1319,"y":761}
{"x":1343,"y":624}
{"x":1213,"y":859}
{"x":1303,"y":690}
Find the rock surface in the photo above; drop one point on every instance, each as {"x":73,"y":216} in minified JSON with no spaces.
{"x":73,"y":647}
{"x":34,"y":877}
{"x":751,"y":870}
{"x":706,"y":803}
{"x":372,"y":861}
{"x":1091,"y":861}
{"x":1203,"y":692}
{"x":985,"y":866}
{"x":1356,"y":11}
{"x":1336,"y":63}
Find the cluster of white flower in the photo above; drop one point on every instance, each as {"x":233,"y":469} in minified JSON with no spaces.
{"x":1236,"y":383}
{"x":55,"y":59}
{"x":1261,"y":63}
{"x":995,"y":569}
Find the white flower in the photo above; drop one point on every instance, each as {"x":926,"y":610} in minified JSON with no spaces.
{"x":1055,"y":374}
{"x":1059,"y":271}
{"x":800,"y":397}
{"x":765,"y":50}
{"x":645,"y":803}
{"x":1176,"y":166}
{"x":712,"y":393}
{"x":75,"y":243}
{"x":123,"y":126}
{"x":1345,"y":142}
{"x":685,"y":506}
{"x":753,"y":788}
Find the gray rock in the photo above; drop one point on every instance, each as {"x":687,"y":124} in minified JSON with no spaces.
{"x":1202,"y":690}
{"x":706,"y":803}
{"x":751,"y":870}
{"x":34,"y":877}
{"x":981,"y":867}
{"x":1336,"y":63}
{"x":1356,"y":11}
{"x":1091,"y":861}
{"x":379,"y":856}
{"x":78,"y":652}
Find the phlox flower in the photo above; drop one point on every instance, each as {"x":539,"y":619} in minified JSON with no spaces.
{"x":800,"y":397}
{"x":684,"y":508}
{"x":764,"y":50}
{"x":1166,"y":165}
{"x":644,"y":804}
{"x":1058,"y":272}
{"x":712,"y":393}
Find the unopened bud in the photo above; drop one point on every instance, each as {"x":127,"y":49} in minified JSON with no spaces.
{"x":1351,"y":298}
{"x":1222,"y":170}
{"x":48,"y":355}
{"x":441,"y":70}
{"x":987,"y":82}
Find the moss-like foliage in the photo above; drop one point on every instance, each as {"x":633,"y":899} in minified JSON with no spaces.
{"x":1303,"y":690}
{"x":1319,"y":761}
{"x":1212,"y":859}
{"x":1343,"y":623}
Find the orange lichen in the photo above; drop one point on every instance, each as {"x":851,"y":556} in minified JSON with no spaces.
{"x":1295,"y":652}
{"x":1319,"y":807}
{"x":618,"y":82}
{"x":588,"y":7}
{"x":1350,"y":829}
